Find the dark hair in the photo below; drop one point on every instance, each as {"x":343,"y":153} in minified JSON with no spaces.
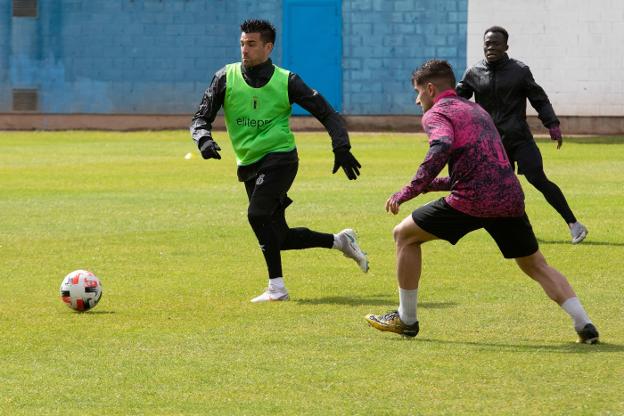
{"x":264,"y":27}
{"x":497,"y":29}
{"x":436,"y":71}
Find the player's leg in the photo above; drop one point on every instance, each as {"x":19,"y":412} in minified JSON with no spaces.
{"x":559,"y":289}
{"x":555,"y":285}
{"x":530,"y":164}
{"x":266,"y":193}
{"x":408,"y":237}
{"x":436,"y":220}
{"x":299,"y":238}
{"x":515,"y":239}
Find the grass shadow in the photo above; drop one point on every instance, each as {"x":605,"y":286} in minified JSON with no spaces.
{"x":615,"y":139}
{"x":569,"y":348}
{"x":375,"y":300}
{"x":347,"y":300}
{"x":584,"y":243}
{"x":95,"y":313}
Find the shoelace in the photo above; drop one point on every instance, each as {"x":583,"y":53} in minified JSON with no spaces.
{"x":390,"y":315}
{"x":355,"y":249}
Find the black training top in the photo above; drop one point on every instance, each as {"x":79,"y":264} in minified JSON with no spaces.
{"x":502,"y":89}
{"x":298,"y":93}
{"x":257,"y":77}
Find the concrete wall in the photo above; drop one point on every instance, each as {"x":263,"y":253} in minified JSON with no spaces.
{"x":106,"y":57}
{"x":158,"y":56}
{"x":573,"y":47}
{"x":5,"y":37}
{"x":121,"y":56}
{"x":384,"y":41}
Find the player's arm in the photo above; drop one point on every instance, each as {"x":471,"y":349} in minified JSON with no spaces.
{"x":540,"y":102}
{"x":201,"y":125}
{"x":300,"y":93}
{"x":464,"y":88}
{"x":440,"y":184}
{"x":440,"y":131}
{"x":425,"y":178}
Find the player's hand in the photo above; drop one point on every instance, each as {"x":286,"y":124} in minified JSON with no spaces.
{"x":555,"y":134}
{"x":210,"y":149}
{"x":392,"y":205}
{"x":349,"y":164}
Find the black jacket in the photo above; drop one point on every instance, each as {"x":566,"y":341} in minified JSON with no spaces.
{"x":502,"y":89}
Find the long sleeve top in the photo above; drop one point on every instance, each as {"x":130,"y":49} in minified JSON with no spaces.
{"x":298,"y":92}
{"x":502,"y":89}
{"x":481,"y":180}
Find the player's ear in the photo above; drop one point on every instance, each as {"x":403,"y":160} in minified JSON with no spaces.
{"x":431,"y":89}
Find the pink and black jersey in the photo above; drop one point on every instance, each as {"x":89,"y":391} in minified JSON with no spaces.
{"x":481,"y":180}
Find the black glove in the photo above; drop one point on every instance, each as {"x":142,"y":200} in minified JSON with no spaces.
{"x":345,"y":160}
{"x":209,"y":149}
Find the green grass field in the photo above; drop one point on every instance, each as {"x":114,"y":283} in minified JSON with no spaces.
{"x":175,"y":333}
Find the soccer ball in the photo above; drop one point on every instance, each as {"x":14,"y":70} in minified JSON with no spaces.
{"x":81,"y":290}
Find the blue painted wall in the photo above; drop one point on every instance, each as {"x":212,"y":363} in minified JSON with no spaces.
{"x":121,"y":56}
{"x":315,"y":55}
{"x":5,"y":37}
{"x":384,"y":41}
{"x":158,"y":56}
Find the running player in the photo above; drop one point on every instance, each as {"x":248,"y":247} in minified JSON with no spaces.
{"x":501,"y":86}
{"x":256,"y":97}
{"x":484,"y":193}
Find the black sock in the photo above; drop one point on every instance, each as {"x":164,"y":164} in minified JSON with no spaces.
{"x":301,"y":237}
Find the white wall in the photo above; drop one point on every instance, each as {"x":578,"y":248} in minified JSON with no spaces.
{"x":575,"y":49}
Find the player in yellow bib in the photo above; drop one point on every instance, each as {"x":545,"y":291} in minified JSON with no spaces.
{"x":256,"y":97}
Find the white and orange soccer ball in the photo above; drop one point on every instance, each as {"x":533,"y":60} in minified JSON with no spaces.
{"x":81,"y":290}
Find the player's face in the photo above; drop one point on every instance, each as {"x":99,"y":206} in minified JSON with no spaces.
{"x":425,"y":95}
{"x":494,"y":46}
{"x":253,"y":50}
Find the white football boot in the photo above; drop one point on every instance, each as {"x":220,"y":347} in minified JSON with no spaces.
{"x":578,"y":232}
{"x":272,"y":295}
{"x":348,"y":245}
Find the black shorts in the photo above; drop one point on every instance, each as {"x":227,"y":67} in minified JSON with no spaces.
{"x":527,"y":156}
{"x":267,"y":190}
{"x":513,"y":235}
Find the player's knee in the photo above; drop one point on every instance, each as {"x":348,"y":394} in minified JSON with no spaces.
{"x":533,"y":265}
{"x":258,"y":217}
{"x":537,"y":178}
{"x":402,"y":235}
{"x":396,"y":233}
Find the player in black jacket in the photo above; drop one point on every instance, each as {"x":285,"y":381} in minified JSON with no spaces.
{"x":501,"y":86}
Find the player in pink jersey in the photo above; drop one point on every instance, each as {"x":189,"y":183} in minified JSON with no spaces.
{"x":484,"y":193}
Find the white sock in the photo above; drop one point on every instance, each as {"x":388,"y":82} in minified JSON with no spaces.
{"x":574,"y":308}
{"x":337,"y":243}
{"x":407,"y":307}
{"x":277,"y":284}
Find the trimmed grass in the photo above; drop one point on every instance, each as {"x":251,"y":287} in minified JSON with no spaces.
{"x":175,"y":333}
